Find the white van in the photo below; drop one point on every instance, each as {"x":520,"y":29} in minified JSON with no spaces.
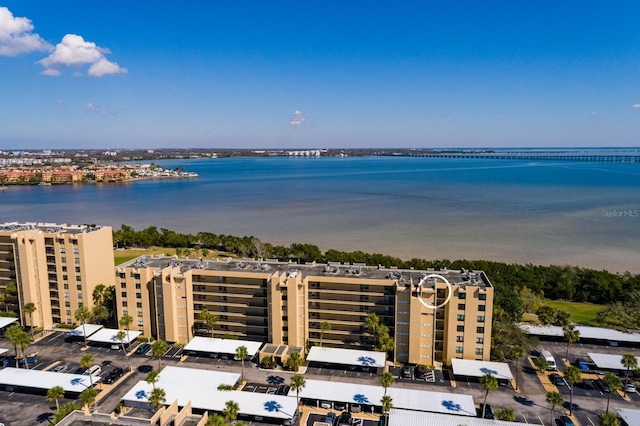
{"x":94,"y":370}
{"x":551,"y":361}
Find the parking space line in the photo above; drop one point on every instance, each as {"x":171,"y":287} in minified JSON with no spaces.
{"x":591,"y":421}
{"x":525,"y":419}
{"x":541,"y":422}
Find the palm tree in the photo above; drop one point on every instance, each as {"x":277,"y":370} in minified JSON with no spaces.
{"x":3,"y":299}
{"x":23,"y":340}
{"x":158,"y":349}
{"x":609,"y":419}
{"x":225,"y":388}
{"x":297,"y":384}
{"x":125,"y":322}
{"x":242,"y":354}
{"x":630,"y":362}
{"x":324,"y":326}
{"x":231,"y":410}
{"x":13,"y":334}
{"x":489,"y":384}
{"x":157,"y":398}
{"x":517,"y":352}
{"x":571,"y":335}
{"x":87,"y":361}
{"x":614,"y":384}
{"x":572,"y":375}
{"x":88,"y":397}
{"x":152,"y":378}
{"x":83,"y":315}
{"x":54,"y":394}
{"x":29,"y":309}
{"x":210,"y":319}
{"x":294,"y":361}
{"x":541,"y":364}
{"x":556,"y":400}
{"x":386,"y":380}
{"x":387,"y":405}
{"x":372,"y":321}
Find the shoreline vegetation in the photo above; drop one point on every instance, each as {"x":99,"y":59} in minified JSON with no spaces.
{"x":544,"y":294}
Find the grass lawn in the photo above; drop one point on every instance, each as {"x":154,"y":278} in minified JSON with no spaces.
{"x":124,"y":255}
{"x":581,"y":313}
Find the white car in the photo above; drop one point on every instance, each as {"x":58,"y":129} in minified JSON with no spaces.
{"x":115,"y":347}
{"x":326,"y":405}
{"x":629,"y":387}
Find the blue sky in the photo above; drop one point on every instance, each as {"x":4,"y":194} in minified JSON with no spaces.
{"x":325,"y":74}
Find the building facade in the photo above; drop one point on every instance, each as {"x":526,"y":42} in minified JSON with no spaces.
{"x":286,"y":303}
{"x":55,"y":267}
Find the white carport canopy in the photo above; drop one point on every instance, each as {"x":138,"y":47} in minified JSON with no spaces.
{"x":473,"y":368}
{"x":630,"y":416}
{"x":347,"y":357}
{"x":5,"y":321}
{"x":608,"y":361}
{"x":410,"y":399}
{"x":407,"y":417}
{"x":201,"y":388}
{"x":89,"y":328}
{"x":38,"y":379}
{"x":586,"y":332}
{"x":224,"y":346}
{"x":109,"y":335}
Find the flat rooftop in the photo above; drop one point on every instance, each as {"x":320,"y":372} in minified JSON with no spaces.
{"x":630,"y":416}
{"x":337,"y":270}
{"x":473,"y":368}
{"x":38,"y":379}
{"x":399,"y":417}
{"x":608,"y":361}
{"x":225,"y":346}
{"x":4,"y":321}
{"x":90,"y":329}
{"x":110,"y":335}
{"x":596,"y":333}
{"x":409,"y":399}
{"x":201,"y":388}
{"x":347,"y":357}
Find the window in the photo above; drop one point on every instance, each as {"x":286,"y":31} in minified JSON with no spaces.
{"x":460,"y":328}
{"x":481,"y":308}
{"x":68,"y":313}
{"x":124,"y":303}
{"x":480,"y":318}
{"x":125,"y":312}
{"x":80,"y":304}
{"x":75,"y":250}
{"x":480,"y":340}
{"x":78,"y":269}
{"x":461,"y":306}
{"x":63,"y":259}
{"x":79,"y":295}
{"x":138,"y":295}
{"x":139,"y":305}
{"x":462,"y":296}
{"x":78,"y":278}
{"x":136,"y":276}
{"x":65,"y":277}
{"x":138,"y":286}
{"x":480,"y":330}
{"x":123,"y":285}
{"x":140,"y":314}
{"x":460,"y":317}
{"x":140,"y":323}
{"x":459,"y":338}
{"x":67,"y":304}
{"x":479,"y":351}
{"x":79,"y":286}
{"x":459,"y":349}
{"x":123,"y":294}
{"x":66,"y":286}
{"x":482,"y":296}
{"x":76,"y":260}
{"x":66,"y":295}
{"x":64,"y":269}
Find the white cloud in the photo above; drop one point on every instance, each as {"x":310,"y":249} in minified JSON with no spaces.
{"x":89,"y":107}
{"x":74,"y":51}
{"x":635,"y":106}
{"x":298,"y":118}
{"x":16,"y":35}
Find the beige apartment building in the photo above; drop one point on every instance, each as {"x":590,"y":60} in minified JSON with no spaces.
{"x":285,"y":303}
{"x":54,"y":266}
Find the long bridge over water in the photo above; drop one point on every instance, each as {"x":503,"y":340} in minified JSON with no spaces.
{"x":592,"y":158}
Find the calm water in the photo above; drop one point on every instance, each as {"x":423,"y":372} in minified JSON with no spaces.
{"x":539,"y":212}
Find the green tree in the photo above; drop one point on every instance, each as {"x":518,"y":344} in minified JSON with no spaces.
{"x":324,"y":326}
{"x":216,"y":420}
{"x":541,"y":364}
{"x":242,"y":354}
{"x":86,"y":361}
{"x":386,"y":380}
{"x":225,"y":388}
{"x":29,"y":309}
{"x":387,"y":404}
{"x":517,"y":352}
{"x":82,"y":315}
{"x":56,"y":393}
{"x":99,"y":314}
{"x":158,"y":349}
{"x":506,"y":414}
{"x":609,"y":419}
{"x":3,"y":299}
{"x":210,"y":319}
{"x":152,"y":378}
{"x":23,"y":340}
{"x":231,"y":410}
{"x":294,"y":361}
{"x":614,"y":384}
{"x":157,"y":398}
{"x":630,"y":362}
{"x":88,"y":397}
{"x":297,"y":384}
{"x":125,"y":322}
{"x":64,"y":411}
{"x":12,"y":334}
{"x":372,"y":321}
{"x":546,"y":314}
{"x":572,"y":375}
{"x":571,"y":335}
{"x":489,"y":384}
{"x":556,"y":400}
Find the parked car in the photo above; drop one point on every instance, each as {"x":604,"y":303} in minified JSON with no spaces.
{"x":557,"y":380}
{"x":145,"y":368}
{"x":488,"y":412}
{"x":356,"y":408}
{"x":61,"y":369}
{"x":113,"y":375}
{"x":94,"y":370}
{"x":340,"y":406}
{"x":629,"y":387}
{"x":326,"y":405}
{"x":420,"y":372}
{"x":79,"y":370}
{"x":566,"y":421}
{"x":344,"y":419}
{"x":330,"y":418}
{"x":406,"y":372}
{"x":143,"y":349}
{"x":115,"y":347}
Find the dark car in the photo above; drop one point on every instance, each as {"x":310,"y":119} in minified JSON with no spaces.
{"x":79,"y":370}
{"x":345,"y":418}
{"x":588,"y":385}
{"x":113,"y":375}
{"x":566,"y":421}
{"x":557,"y":380}
{"x":330,"y":417}
{"x":420,"y":372}
{"x":145,"y":368}
{"x":143,"y":349}
{"x":488,"y":412}
{"x":406,"y":372}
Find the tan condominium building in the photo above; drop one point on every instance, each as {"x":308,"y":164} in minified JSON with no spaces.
{"x":431,"y":318}
{"x":54,"y":266}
